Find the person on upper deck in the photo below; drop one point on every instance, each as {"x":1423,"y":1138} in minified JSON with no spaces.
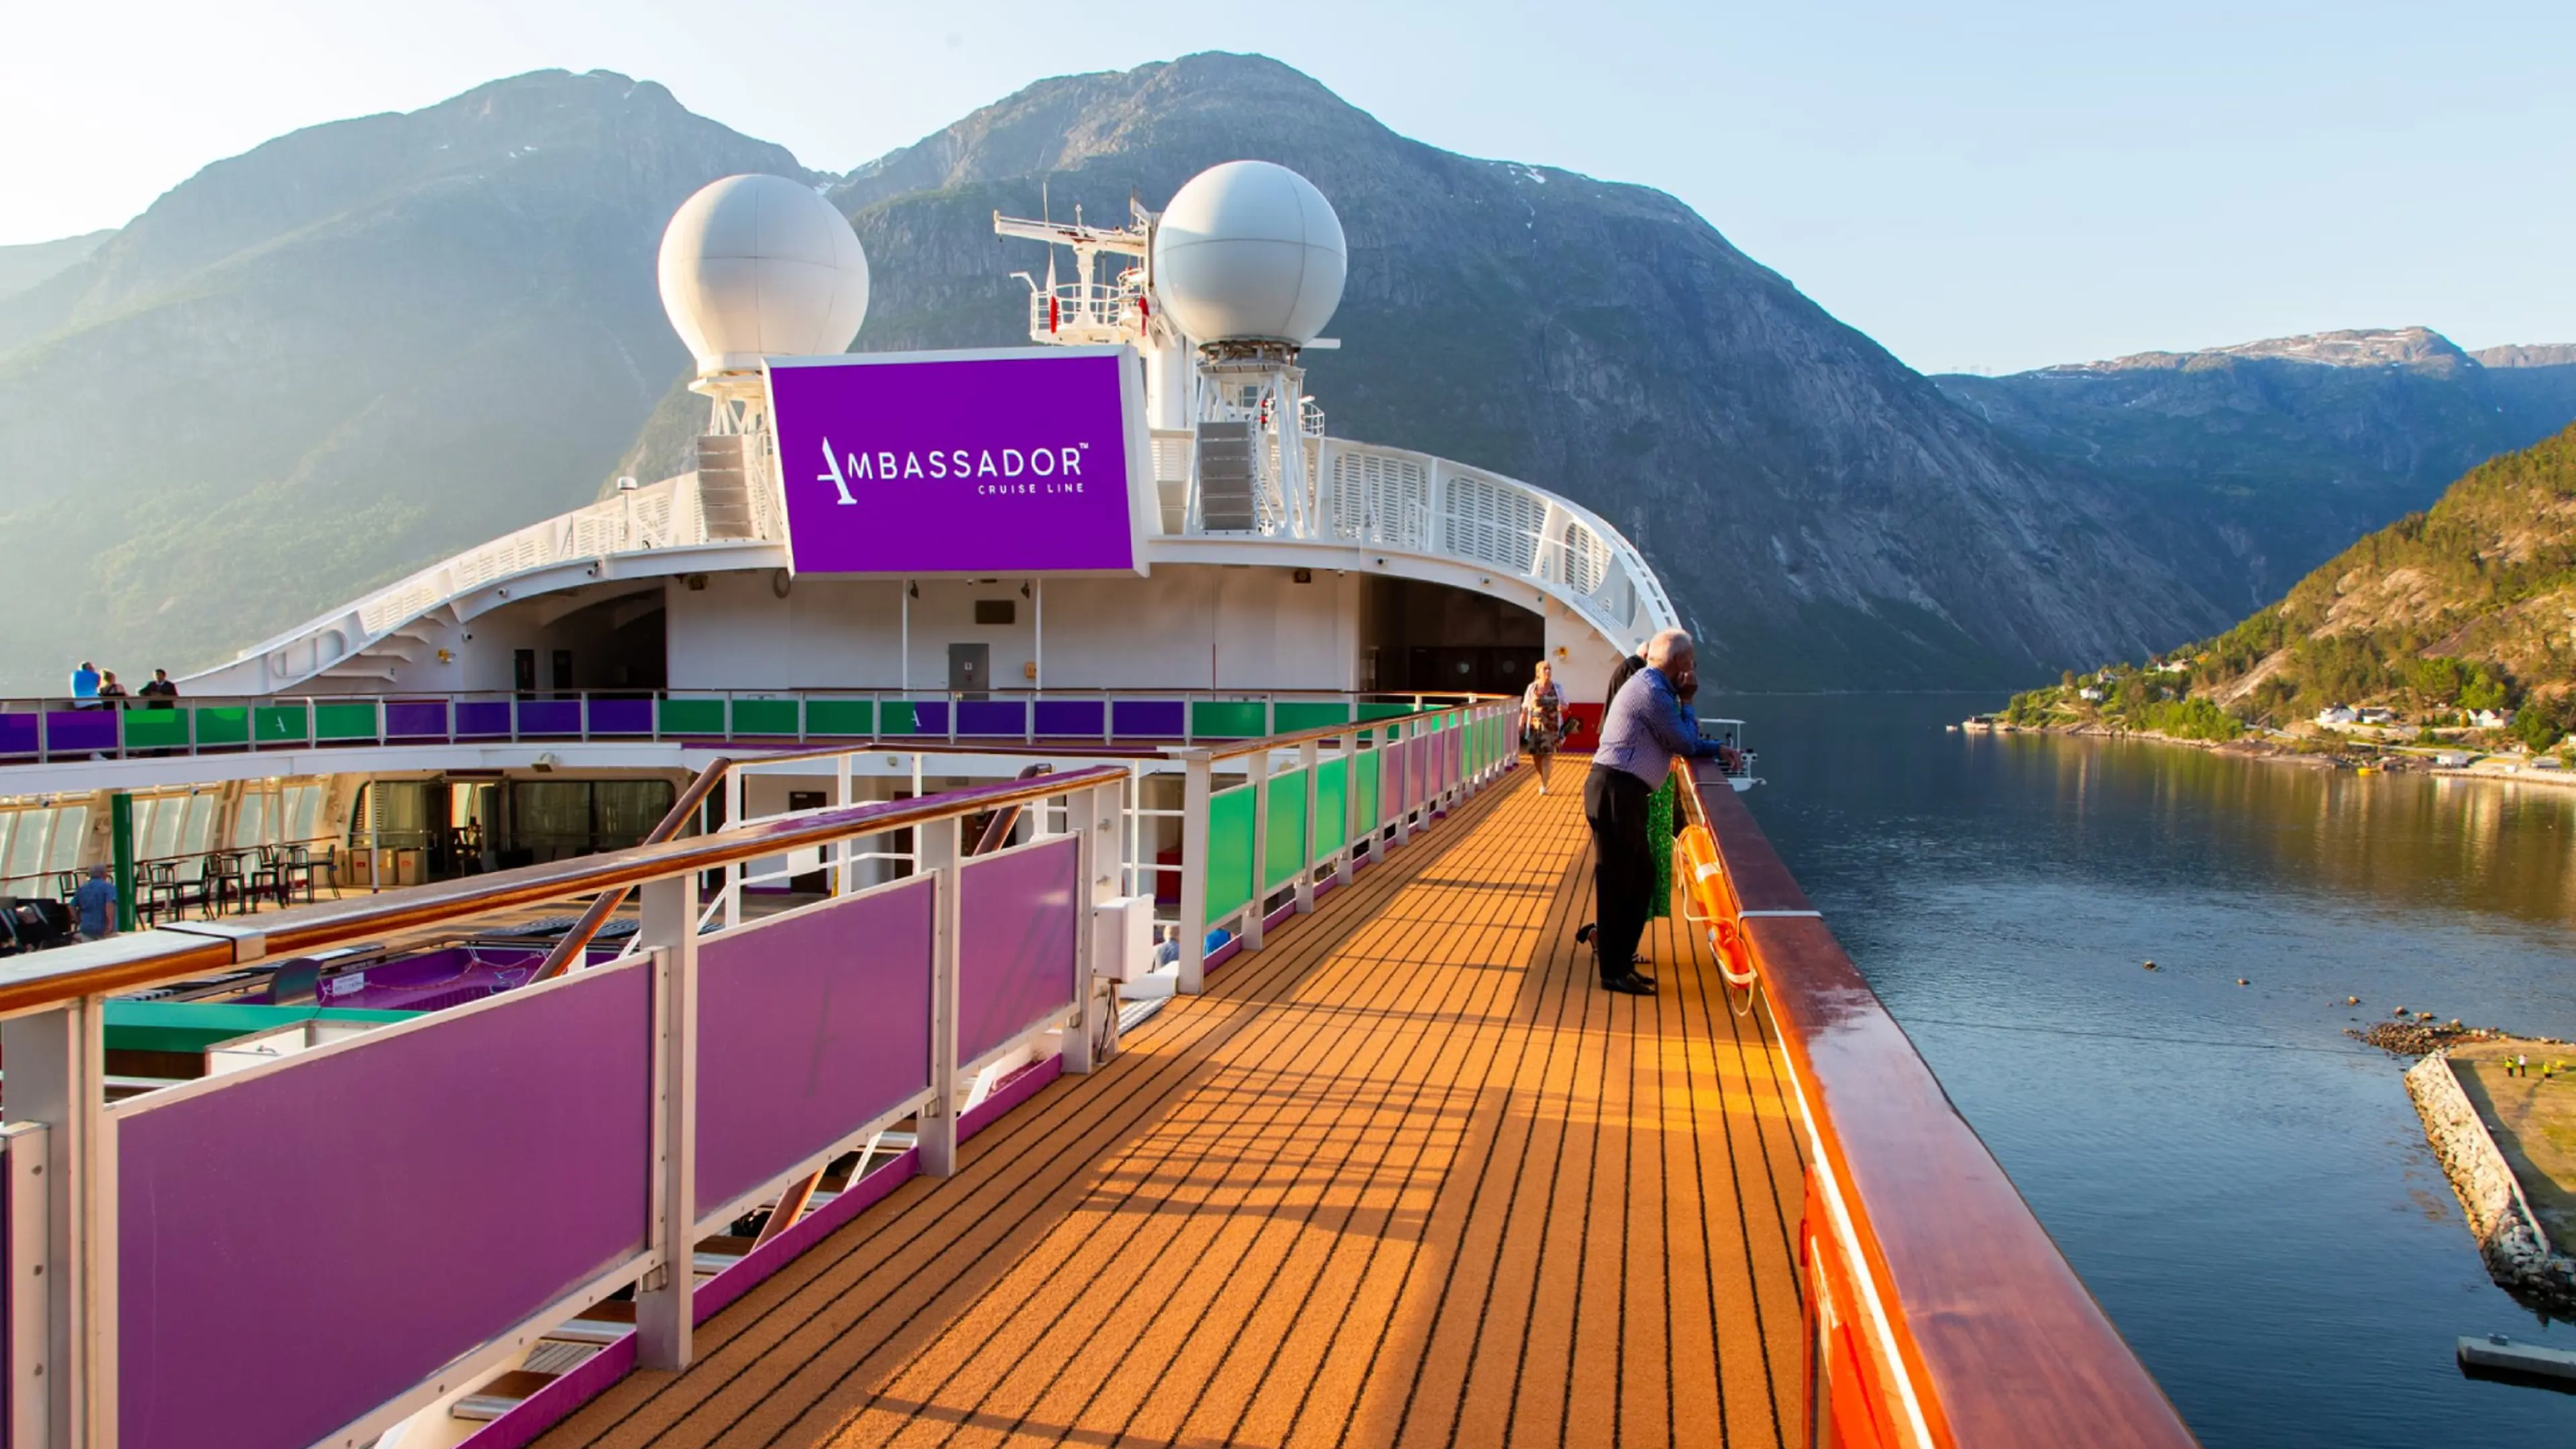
{"x":85,"y":686}
{"x":162,"y":690}
{"x":111,"y":694}
{"x":1542,"y":720}
{"x":95,"y":905}
{"x":1644,"y":726}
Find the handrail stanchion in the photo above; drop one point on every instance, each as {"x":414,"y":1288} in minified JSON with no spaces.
{"x":1197,"y":776}
{"x":30,"y":1324}
{"x":1256,"y":773}
{"x":1309,"y":759}
{"x":841,"y":852}
{"x":1092,"y":816}
{"x":58,"y":1076}
{"x":663,"y":1317}
{"x":733,"y":871}
{"x":1348,"y":857}
{"x":1412,"y":767}
{"x":936,"y":1135}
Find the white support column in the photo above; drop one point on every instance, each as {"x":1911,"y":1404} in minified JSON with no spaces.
{"x":1309,"y":759}
{"x":663,"y":1309}
{"x":1092,"y":816}
{"x":57,"y":1076}
{"x":1256,"y":772}
{"x":1197,"y":774}
{"x":29,"y":1344}
{"x":733,"y":872}
{"x":942,"y":855}
{"x":848,"y":845}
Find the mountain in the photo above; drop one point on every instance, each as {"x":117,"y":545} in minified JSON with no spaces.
{"x":1820,"y":512}
{"x":2263,"y":460}
{"x":2461,"y":607}
{"x":24,"y":266}
{"x":366,"y":344}
{"x":342,"y":355}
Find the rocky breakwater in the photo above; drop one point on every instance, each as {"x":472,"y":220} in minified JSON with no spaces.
{"x":2517,"y":1252}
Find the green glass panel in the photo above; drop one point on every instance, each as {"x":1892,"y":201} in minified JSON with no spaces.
{"x":850,"y":718}
{"x":1332,"y":818}
{"x":764,"y":716}
{"x":1290,"y":715}
{"x":156,"y":729}
{"x":1286,"y":853}
{"x":898,"y":719}
{"x":1383,"y":711}
{"x":230,"y":724}
{"x":345,"y":721}
{"x":1228,"y":719}
{"x":704,"y":717}
{"x":1229,"y":862}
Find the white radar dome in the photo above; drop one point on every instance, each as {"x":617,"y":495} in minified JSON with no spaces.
{"x":756,"y":266}
{"x":1250,"y":251}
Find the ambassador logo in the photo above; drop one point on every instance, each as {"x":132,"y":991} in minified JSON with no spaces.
{"x":992,"y":470}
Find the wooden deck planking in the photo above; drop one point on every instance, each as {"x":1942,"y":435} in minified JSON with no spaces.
{"x":1407,"y":1176}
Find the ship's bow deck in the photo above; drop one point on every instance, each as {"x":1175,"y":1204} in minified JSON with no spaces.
{"x":1405,"y":1176}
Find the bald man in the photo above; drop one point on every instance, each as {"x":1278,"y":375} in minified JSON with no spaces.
{"x":1642,"y":729}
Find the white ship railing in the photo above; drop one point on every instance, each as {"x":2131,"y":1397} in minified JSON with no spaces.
{"x":1359,"y":494}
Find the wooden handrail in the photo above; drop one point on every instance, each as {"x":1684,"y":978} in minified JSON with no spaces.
{"x":1997,"y":1341}
{"x":147,"y":958}
{"x":605,"y":904}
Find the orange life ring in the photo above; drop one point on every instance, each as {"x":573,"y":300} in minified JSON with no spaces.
{"x":1708,"y":899}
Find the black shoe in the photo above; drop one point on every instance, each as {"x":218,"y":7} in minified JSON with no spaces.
{"x":1583,"y":934}
{"x":1630,"y":985}
{"x":1637,"y":975}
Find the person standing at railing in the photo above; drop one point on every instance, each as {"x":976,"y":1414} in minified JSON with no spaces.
{"x":111,"y":695}
{"x":161,"y":690}
{"x":85,"y":686}
{"x":1644,"y":726}
{"x":1542,"y":720}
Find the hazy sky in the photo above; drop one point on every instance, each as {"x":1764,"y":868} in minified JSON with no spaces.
{"x":1978,"y":185}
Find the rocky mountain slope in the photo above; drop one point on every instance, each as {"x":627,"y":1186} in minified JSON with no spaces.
{"x":22,"y":267}
{"x":2462,"y":607}
{"x":2265,"y":459}
{"x":347,"y":353}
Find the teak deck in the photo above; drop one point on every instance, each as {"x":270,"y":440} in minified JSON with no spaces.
{"x":1407,"y":1176}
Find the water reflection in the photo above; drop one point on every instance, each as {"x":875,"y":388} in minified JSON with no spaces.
{"x":2244,"y":1187}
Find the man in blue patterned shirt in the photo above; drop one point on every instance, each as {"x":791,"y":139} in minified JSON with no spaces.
{"x":1641,"y":731}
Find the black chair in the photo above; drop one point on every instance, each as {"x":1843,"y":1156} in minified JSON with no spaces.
{"x":225,"y":879}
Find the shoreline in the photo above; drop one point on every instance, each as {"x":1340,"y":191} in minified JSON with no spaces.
{"x":2258,"y":749}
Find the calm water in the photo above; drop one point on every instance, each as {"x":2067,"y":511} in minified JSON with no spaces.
{"x":2246,"y":1189}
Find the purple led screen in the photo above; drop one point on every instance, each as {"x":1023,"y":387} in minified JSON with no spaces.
{"x":1014,"y":942}
{"x":968,"y":464}
{"x":808,"y":1026}
{"x":342,"y":1211}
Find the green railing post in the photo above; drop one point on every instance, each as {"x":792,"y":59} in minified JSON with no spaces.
{"x":120,"y":830}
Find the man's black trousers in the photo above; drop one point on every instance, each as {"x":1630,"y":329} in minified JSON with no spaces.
{"x":1623,"y":865}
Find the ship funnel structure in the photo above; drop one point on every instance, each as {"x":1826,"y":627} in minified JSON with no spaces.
{"x":758,"y":266}
{"x":1250,"y":251}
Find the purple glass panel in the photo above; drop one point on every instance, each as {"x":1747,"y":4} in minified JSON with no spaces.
{"x":549,"y":717}
{"x":416,"y":719}
{"x":483,"y":719}
{"x":621,"y":716}
{"x":929,"y":716}
{"x":1071,"y":718}
{"x":808,"y":1026}
{"x":17,"y":734}
{"x":436,"y":980}
{"x":1151,"y":719}
{"x":346,"y":1203}
{"x":994,"y":464}
{"x":992,"y":717}
{"x":1015,"y":942}
{"x":89,"y":731}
